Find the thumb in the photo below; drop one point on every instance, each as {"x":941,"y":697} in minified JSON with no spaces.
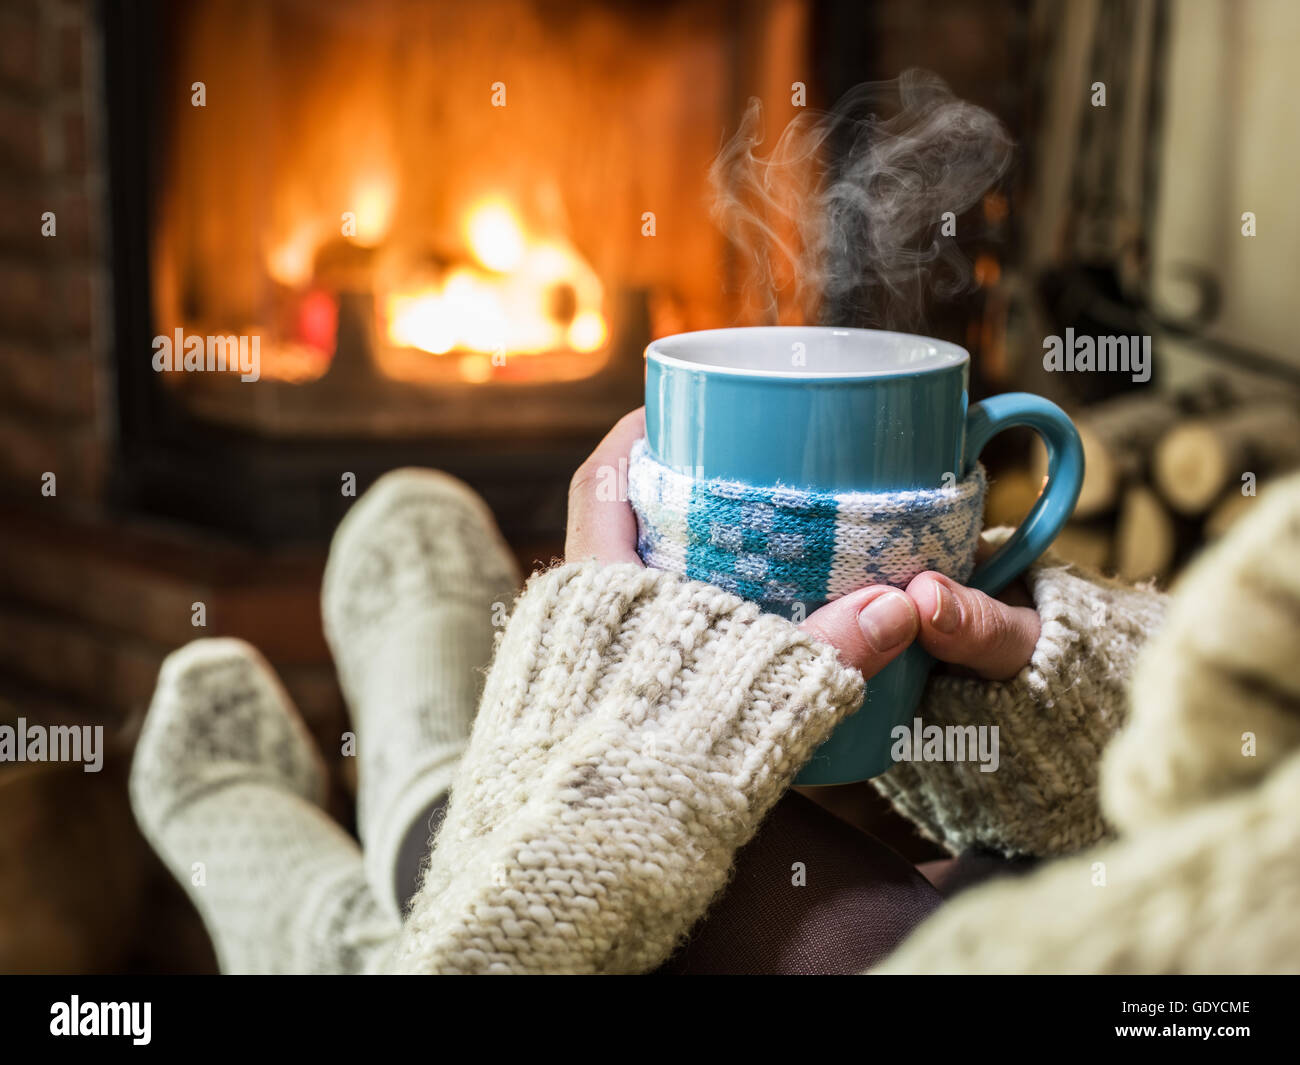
{"x":869,"y":628}
{"x":964,"y":627}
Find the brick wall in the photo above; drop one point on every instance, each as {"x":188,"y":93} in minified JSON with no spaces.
{"x":54,"y":323}
{"x":92,"y":600}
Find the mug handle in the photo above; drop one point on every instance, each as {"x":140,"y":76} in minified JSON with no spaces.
{"x":1064,"y":480}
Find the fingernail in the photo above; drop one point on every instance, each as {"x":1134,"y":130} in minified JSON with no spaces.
{"x":887,"y":621}
{"x":947,"y":614}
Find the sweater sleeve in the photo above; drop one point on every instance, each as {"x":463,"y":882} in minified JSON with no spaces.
{"x":634,"y":730}
{"x":1053,"y":720}
{"x":1202,"y":786}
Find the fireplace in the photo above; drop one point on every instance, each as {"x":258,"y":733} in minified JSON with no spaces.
{"x":410,"y":214}
{"x":577,"y":214}
{"x":442,"y":232}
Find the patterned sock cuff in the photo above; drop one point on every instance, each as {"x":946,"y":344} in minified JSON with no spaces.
{"x":778,"y":546}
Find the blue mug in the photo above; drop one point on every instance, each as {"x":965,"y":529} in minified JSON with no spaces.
{"x":844,"y":410}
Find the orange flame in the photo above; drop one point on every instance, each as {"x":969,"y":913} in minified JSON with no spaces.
{"x":523,"y":297}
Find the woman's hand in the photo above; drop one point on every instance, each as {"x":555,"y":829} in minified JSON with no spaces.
{"x":869,"y":628}
{"x":963,"y":627}
{"x":601,"y":523}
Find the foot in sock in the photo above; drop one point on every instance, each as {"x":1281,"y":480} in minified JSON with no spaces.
{"x":416,"y":572}
{"x":226,"y":786}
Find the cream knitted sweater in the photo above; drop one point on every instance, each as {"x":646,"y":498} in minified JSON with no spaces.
{"x":636,"y":728}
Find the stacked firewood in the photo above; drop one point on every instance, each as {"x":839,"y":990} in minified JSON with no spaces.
{"x":1167,"y":472}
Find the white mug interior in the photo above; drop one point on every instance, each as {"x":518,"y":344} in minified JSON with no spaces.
{"x":807,"y":351}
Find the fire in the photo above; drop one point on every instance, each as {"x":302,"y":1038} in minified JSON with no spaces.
{"x":508,"y":292}
{"x":588,"y":332}
{"x":290,"y":263}
{"x":520,"y":296}
{"x":373,"y":210}
{"x":495,"y":237}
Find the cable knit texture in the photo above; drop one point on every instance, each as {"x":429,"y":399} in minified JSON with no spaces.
{"x":634,"y":731}
{"x":1203,"y":782}
{"x":1054,"y":719}
{"x":636,"y":727}
{"x":1223,"y":676}
{"x":1214,"y":891}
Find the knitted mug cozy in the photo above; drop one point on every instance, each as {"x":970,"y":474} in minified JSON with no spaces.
{"x":779,"y":546}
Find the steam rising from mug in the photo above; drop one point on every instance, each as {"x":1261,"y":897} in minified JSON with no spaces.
{"x":843,"y":218}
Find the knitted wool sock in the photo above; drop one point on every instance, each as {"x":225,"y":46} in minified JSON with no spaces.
{"x":415,"y":571}
{"x":225,"y":785}
{"x":778,"y":546}
{"x":634,"y":731}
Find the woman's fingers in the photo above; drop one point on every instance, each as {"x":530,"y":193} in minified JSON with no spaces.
{"x":967,"y":628}
{"x":869,"y":628}
{"x":601,"y":523}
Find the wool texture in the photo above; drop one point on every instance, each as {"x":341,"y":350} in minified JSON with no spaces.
{"x":1222,"y":676}
{"x":1202,"y":784}
{"x":416,"y":571}
{"x":1214,"y":890}
{"x":634,"y":731}
{"x":1054,"y":719}
{"x":779,"y":545}
{"x":227,"y":785}
{"x":636,"y":726}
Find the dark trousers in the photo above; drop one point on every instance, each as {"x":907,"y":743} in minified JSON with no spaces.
{"x":809,"y":895}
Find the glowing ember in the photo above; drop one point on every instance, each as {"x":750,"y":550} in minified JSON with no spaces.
{"x":318,"y":321}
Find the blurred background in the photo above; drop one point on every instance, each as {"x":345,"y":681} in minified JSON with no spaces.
{"x":453,"y":229}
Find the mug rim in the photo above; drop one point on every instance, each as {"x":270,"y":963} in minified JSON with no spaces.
{"x":949,"y":356}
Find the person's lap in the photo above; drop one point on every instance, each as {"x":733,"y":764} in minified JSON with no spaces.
{"x":809,"y":895}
